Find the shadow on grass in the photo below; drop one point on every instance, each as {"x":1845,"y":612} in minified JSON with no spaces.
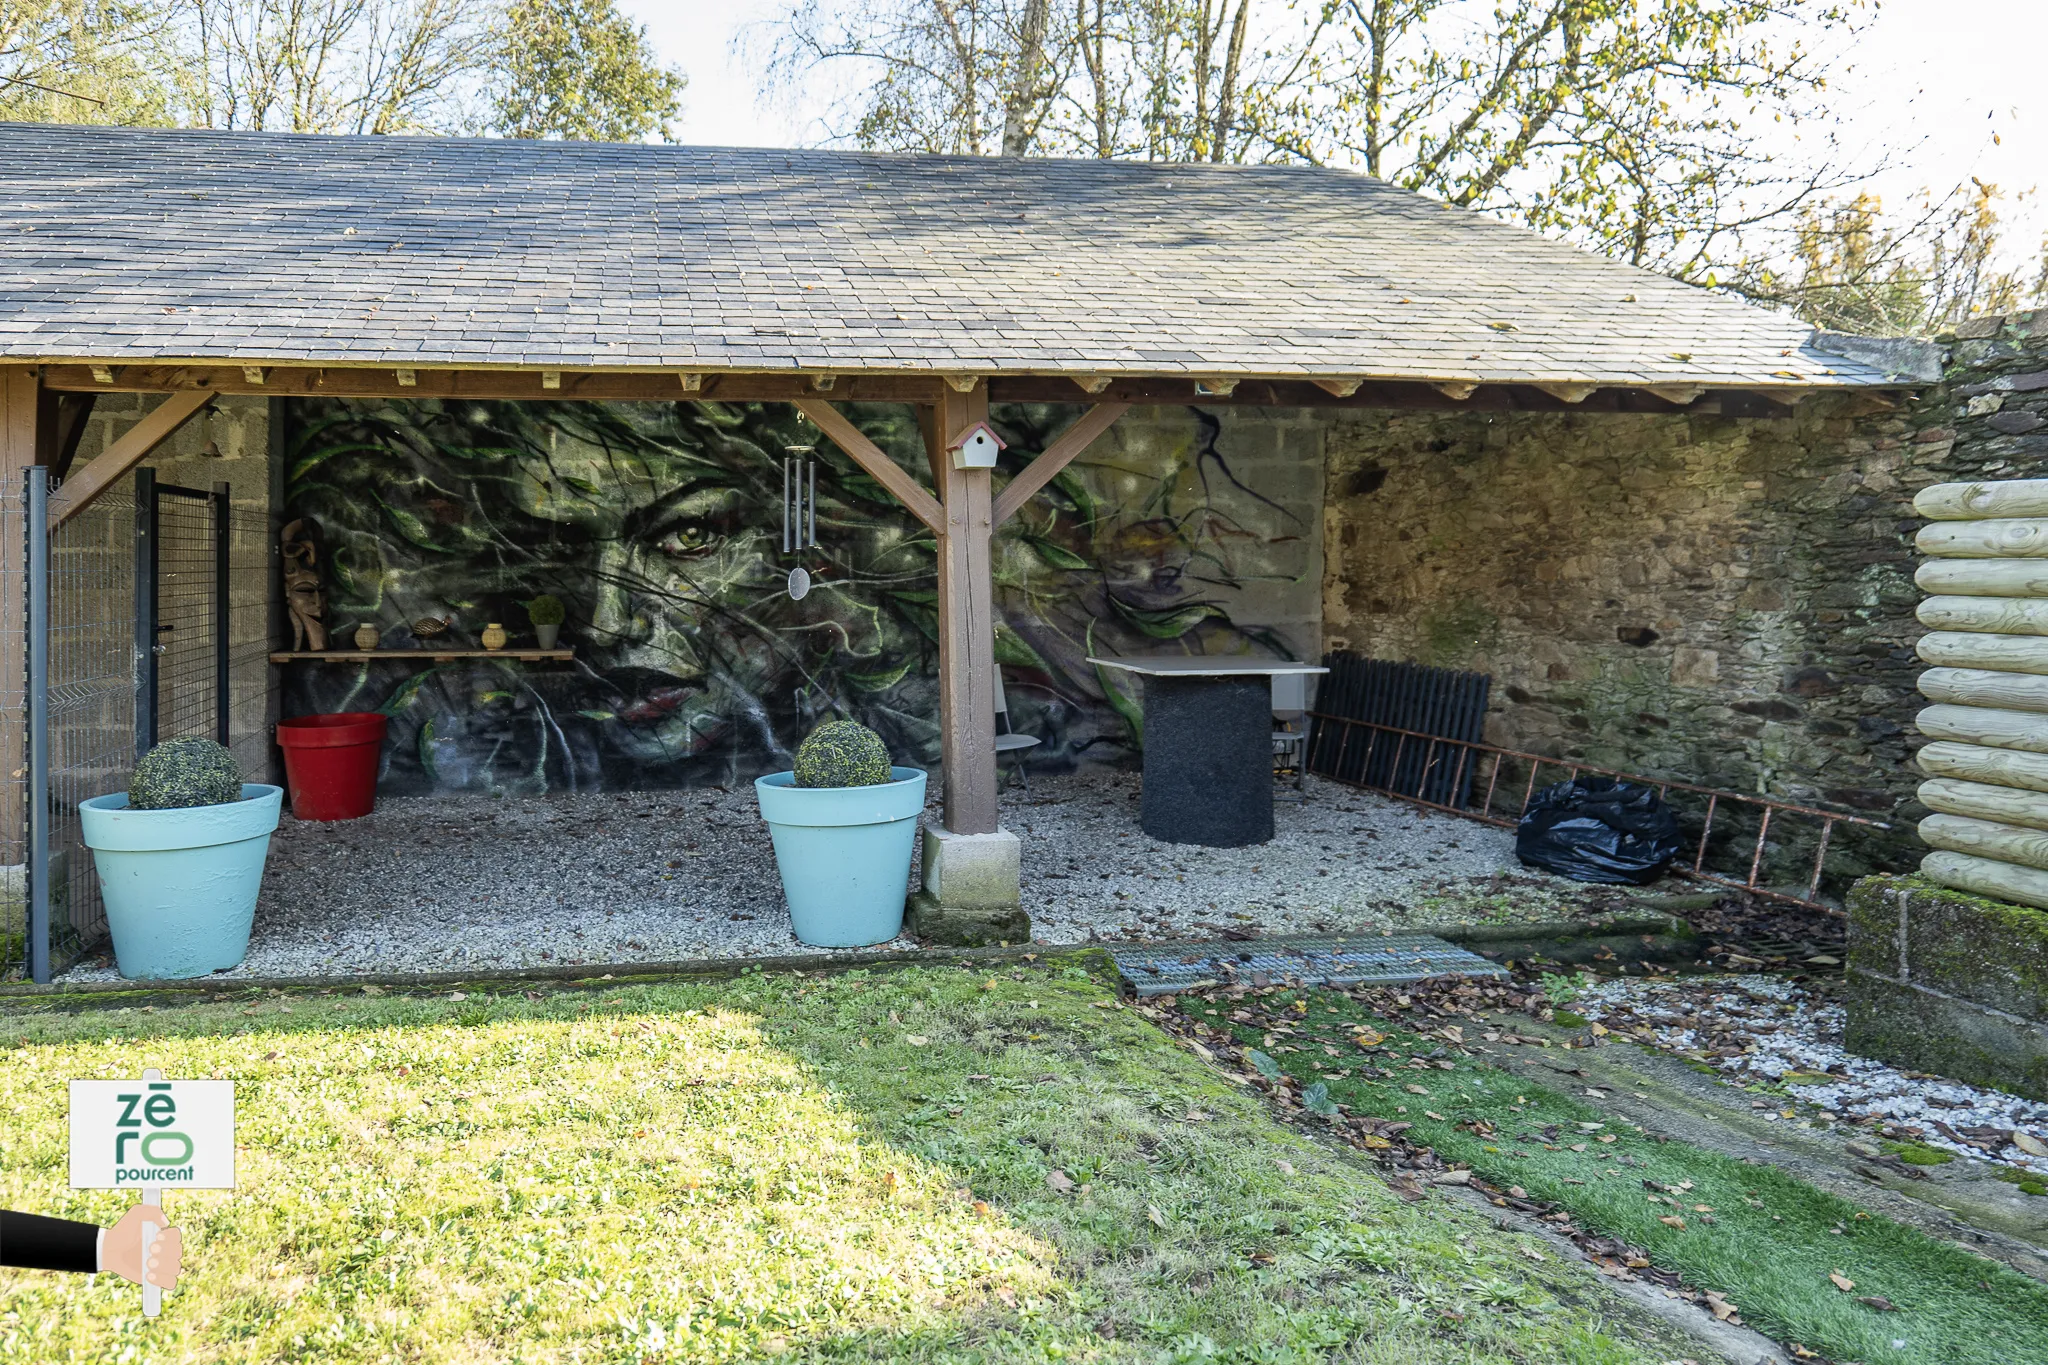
{"x":940,"y":1164}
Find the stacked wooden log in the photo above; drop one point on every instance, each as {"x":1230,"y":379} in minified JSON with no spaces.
{"x":1987,"y":765}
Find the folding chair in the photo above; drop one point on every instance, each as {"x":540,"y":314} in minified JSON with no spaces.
{"x":1008,"y":741}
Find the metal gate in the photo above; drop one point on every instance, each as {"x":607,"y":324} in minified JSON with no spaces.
{"x":127,"y":645}
{"x":181,"y":612}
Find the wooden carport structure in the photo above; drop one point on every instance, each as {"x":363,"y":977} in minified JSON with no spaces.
{"x":195,"y":264}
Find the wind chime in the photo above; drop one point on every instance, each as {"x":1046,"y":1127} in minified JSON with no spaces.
{"x":799,"y":512}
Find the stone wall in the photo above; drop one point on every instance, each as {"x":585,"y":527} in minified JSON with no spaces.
{"x":1721,"y":600}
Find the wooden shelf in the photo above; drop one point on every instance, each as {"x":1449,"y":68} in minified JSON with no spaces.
{"x":439,"y":656}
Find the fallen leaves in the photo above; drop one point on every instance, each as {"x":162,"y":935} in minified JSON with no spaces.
{"x":1672,"y":1220}
{"x":1059,"y":1182}
{"x":1841,"y":1281}
{"x":1155,"y":1217}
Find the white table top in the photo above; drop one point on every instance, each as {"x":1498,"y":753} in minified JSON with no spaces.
{"x":1197,"y":665}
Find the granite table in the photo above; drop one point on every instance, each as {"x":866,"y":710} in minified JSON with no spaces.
{"x":1208,"y":746}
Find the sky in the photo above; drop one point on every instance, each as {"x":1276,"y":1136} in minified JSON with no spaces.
{"x":1930,"y":83}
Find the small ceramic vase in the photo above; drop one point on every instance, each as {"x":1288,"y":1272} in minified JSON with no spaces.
{"x":366,"y":636}
{"x":548,"y":634}
{"x":494,"y":636}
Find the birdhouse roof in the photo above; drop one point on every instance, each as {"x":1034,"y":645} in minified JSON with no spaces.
{"x":978,"y":429}
{"x":187,"y":245}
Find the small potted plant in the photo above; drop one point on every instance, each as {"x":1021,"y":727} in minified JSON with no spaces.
{"x":547,"y":614}
{"x":844,"y":822}
{"x":180,"y":856}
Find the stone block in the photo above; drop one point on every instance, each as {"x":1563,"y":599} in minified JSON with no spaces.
{"x":1950,"y":983}
{"x":971,"y":895}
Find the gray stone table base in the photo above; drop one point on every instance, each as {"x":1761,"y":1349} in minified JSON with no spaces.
{"x":1208,"y":760}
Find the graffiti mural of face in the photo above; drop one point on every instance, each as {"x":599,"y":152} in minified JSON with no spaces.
{"x":659,"y":526}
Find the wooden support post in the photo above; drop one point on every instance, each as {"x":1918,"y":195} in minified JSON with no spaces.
{"x":26,"y":434}
{"x":967,"y":633}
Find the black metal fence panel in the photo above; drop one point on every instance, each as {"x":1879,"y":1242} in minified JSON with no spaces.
{"x":1405,"y":696}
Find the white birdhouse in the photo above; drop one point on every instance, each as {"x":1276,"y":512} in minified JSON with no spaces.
{"x":976,"y":447}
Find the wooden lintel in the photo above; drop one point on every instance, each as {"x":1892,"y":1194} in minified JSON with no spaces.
{"x":962,"y":383}
{"x":1567,"y":392}
{"x":1338,"y":388}
{"x":124,"y":454}
{"x":1055,"y":457}
{"x":783,"y":387}
{"x":253,"y":373}
{"x":875,"y":461}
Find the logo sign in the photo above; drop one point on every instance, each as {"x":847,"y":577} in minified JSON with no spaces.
{"x":152,"y":1133}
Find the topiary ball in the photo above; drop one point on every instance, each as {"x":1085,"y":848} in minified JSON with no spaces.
{"x":842,"y":753}
{"x":185,"y":772}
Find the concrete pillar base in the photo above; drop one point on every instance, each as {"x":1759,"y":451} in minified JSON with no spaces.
{"x":971,"y":896}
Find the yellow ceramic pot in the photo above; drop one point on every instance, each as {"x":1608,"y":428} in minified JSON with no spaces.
{"x":494,"y":636}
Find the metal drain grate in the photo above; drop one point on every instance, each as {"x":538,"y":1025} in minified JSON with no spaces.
{"x":1158,"y":969}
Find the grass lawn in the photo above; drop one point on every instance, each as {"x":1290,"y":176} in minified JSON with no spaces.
{"x":1765,"y":1240}
{"x":929,"y":1164}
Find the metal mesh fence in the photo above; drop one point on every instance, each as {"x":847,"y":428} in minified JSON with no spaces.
{"x":92,"y":702}
{"x":14,"y":783}
{"x":189,"y":687}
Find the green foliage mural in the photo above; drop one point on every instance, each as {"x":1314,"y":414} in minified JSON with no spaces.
{"x":658,"y":525}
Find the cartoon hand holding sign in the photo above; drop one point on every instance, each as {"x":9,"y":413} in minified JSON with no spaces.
{"x":150,"y":1135}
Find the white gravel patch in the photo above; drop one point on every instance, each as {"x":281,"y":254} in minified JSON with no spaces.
{"x":1792,"y":1038}
{"x":430,"y":884}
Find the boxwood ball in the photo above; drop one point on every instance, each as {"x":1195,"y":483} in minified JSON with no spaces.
{"x":842,"y":753}
{"x":185,"y":772}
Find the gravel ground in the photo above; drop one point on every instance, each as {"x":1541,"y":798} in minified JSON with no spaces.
{"x":1764,"y":1028}
{"x":450,"y":883}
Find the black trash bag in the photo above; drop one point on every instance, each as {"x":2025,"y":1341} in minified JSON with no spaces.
{"x":1594,"y":829}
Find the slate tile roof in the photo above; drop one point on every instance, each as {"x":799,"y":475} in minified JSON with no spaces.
{"x":131,"y":244}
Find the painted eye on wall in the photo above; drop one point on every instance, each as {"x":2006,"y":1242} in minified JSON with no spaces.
{"x":686,"y":541}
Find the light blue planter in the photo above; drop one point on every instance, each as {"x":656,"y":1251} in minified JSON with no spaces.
{"x":844,"y":854}
{"x":180,"y":885}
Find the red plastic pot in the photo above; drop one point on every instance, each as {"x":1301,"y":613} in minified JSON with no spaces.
{"x":330,"y":763}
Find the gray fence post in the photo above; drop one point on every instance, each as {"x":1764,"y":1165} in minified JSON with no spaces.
{"x":37,"y":536}
{"x":146,"y":644}
{"x":221,"y":561}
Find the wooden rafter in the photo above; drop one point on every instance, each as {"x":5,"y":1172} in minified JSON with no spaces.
{"x":1056,"y":457}
{"x":875,"y":461}
{"x":124,"y":454}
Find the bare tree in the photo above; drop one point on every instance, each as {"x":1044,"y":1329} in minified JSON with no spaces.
{"x":1629,"y":125}
{"x":84,"y":61}
{"x":335,"y":66}
{"x":1854,"y":268}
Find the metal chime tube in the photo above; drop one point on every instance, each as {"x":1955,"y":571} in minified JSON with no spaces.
{"x":785,"y":504}
{"x":812,"y":515}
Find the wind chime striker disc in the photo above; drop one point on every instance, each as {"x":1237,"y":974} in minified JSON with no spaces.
{"x":799,"y":583}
